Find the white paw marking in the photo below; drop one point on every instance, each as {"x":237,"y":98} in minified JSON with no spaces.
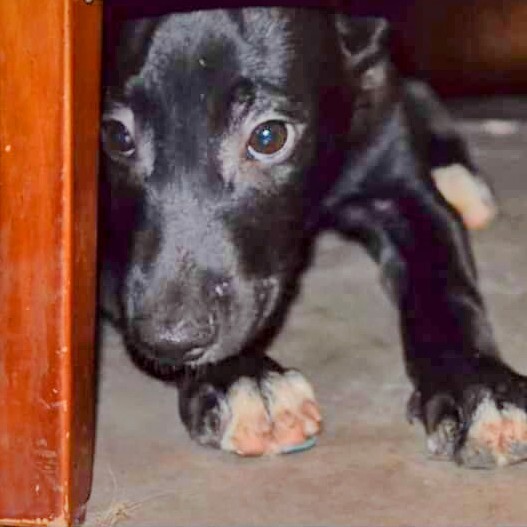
{"x":292,"y":406}
{"x":442,"y":442}
{"x":280,"y":413}
{"x":502,"y":433}
{"x":249,"y":427}
{"x":467,"y":193}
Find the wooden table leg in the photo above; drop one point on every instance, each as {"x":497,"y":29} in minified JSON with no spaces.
{"x":49,"y":107}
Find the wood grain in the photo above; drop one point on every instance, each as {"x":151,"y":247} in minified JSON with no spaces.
{"x":49,"y":84}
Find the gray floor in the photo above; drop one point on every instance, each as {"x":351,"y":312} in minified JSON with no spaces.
{"x":370,"y":465}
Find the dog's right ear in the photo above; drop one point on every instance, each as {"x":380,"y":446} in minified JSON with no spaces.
{"x":126,"y":46}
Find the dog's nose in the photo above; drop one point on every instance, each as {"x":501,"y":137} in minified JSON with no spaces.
{"x":184,"y":339}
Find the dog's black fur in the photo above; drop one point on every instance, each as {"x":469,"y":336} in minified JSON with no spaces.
{"x":203,"y":239}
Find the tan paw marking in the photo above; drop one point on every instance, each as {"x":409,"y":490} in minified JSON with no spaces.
{"x":267,"y":419}
{"x":468,"y":194}
{"x":291,"y":404}
{"x":248,"y":432}
{"x":496,"y":437}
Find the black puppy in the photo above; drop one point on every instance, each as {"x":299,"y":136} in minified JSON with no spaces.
{"x":231,"y":138}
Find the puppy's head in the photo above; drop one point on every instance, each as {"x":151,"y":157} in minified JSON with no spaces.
{"x":222,"y":132}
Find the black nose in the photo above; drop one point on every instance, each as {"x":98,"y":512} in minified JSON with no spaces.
{"x":186,"y":338}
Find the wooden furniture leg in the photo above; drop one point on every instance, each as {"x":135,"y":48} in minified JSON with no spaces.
{"x":49,"y":108}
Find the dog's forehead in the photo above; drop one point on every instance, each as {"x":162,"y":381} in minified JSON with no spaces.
{"x":248,"y":42}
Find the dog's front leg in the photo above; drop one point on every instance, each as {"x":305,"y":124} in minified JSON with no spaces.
{"x":471,"y":403}
{"x":249,"y":405}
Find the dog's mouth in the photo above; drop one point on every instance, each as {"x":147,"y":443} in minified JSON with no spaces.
{"x":161,"y":361}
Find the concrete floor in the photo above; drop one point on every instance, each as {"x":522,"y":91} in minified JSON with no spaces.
{"x":370,"y":466}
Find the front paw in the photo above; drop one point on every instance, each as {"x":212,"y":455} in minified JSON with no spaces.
{"x":481,"y":426}
{"x":254,"y":417}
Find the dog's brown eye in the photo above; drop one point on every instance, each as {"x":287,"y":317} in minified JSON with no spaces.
{"x":117,"y":139}
{"x":268,"y":138}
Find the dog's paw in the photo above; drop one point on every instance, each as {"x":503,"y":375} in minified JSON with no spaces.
{"x":256,"y":417}
{"x":468,"y":193}
{"x":482,"y":430}
{"x":496,"y":436}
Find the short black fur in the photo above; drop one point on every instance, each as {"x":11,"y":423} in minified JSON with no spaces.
{"x":203,"y":245}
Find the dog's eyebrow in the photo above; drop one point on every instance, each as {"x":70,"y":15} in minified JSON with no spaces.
{"x":243,"y":92}
{"x":285,"y":101}
{"x":248,"y":94}
{"x":272,"y":88}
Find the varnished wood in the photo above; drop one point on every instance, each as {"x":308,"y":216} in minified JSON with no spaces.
{"x":49,"y":87}
{"x":469,"y":46}
{"x":460,"y":46}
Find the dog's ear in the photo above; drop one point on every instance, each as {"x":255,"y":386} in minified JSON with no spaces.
{"x":126,"y":45}
{"x":368,"y":72}
{"x":363,"y":41}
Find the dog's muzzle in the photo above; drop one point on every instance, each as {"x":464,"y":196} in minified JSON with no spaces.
{"x":208,"y":329}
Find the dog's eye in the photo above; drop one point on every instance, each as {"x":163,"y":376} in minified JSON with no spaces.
{"x":117,"y":139}
{"x":267,"y":139}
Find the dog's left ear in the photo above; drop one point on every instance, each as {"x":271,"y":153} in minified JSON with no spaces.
{"x":368,"y":72}
{"x":363,"y":41}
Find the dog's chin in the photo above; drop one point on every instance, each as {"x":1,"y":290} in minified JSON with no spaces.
{"x":167,"y":366}
{"x":150,"y":360}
